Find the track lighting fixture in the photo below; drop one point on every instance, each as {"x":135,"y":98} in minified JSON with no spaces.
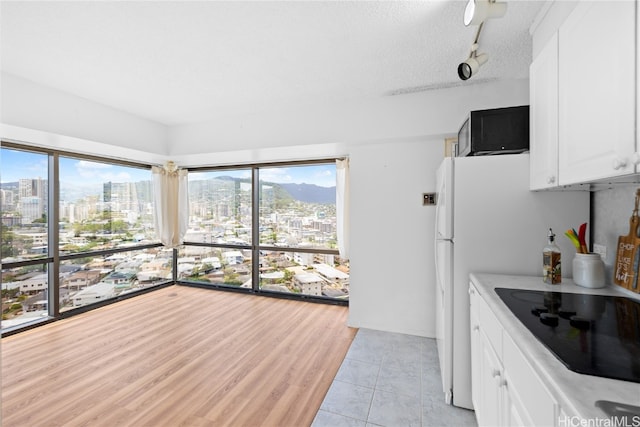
{"x":471,"y":66}
{"x":475,"y":13}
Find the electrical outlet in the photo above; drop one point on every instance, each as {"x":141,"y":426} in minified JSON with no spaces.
{"x":600,"y":249}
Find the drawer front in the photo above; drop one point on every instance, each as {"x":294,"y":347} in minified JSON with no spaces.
{"x":541,"y":407}
{"x":490,"y":326}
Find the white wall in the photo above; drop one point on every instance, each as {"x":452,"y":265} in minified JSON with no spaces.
{"x":29,"y":105}
{"x":392,"y":233}
{"x":394,"y":145}
{"x":435,"y":112}
{"x":38,"y":138}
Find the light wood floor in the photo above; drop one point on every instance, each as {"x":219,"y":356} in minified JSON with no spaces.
{"x":178,"y":356}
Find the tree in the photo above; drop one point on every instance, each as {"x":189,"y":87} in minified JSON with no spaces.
{"x":10,"y":293}
{"x":231,"y":277}
{"x":287,"y":279}
{"x":116,"y":226}
{"x":41,"y":220}
{"x":8,"y":249}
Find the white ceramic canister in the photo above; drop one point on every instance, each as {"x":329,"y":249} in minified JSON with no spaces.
{"x":588,"y":270}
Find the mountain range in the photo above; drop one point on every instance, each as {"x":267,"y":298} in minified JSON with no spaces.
{"x":310,"y":193}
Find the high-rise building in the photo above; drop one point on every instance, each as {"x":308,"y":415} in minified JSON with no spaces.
{"x":121,"y":196}
{"x":7,"y":200}
{"x":32,"y":193}
{"x":31,"y":209}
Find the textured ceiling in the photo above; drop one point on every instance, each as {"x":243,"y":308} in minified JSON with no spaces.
{"x":178,"y":62}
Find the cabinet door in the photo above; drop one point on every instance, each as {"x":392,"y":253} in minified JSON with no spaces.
{"x":474,"y":323}
{"x":515,"y":410}
{"x":543,"y":81}
{"x":597,"y":92}
{"x":513,"y":413}
{"x":529,"y":399}
{"x":490,"y":405}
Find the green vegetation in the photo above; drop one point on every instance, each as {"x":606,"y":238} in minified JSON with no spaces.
{"x":287,"y":279}
{"x":10,"y":293}
{"x":231,"y":277}
{"x":41,"y":220}
{"x":8,"y":249}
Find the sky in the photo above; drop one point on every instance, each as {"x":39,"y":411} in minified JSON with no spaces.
{"x":16,"y":164}
{"x":323,"y":175}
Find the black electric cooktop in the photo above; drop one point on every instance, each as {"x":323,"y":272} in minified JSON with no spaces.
{"x":591,"y":334}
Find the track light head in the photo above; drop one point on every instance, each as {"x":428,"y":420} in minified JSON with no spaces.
{"x":471,"y":66}
{"x":477,"y":11}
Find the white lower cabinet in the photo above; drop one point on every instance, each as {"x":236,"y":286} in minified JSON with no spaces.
{"x":513,"y":409}
{"x":506,"y":391}
{"x":490,"y":385}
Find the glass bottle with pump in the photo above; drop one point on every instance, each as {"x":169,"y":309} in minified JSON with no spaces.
{"x":551,"y":265}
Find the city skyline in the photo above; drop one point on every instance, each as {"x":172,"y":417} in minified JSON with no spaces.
{"x":18,"y":165}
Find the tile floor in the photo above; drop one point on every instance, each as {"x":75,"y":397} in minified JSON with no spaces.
{"x":389,"y":380}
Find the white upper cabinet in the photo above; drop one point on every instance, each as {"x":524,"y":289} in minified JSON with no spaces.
{"x":584,"y":93}
{"x":543,"y":82}
{"x":597,"y":92}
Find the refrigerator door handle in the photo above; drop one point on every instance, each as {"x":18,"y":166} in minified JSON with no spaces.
{"x":437,"y":259}
{"x":439,"y":282}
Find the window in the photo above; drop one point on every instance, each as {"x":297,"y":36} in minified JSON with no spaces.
{"x":220,"y":220}
{"x":75,"y":231}
{"x":78,"y":230}
{"x":24,"y":294}
{"x":298,"y":206}
{"x":280,"y":238}
{"x":24,"y":203}
{"x":103,"y":206}
{"x":220,"y":207}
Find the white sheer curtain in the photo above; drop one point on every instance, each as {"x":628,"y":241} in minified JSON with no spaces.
{"x":171,"y":204}
{"x":342,"y":206}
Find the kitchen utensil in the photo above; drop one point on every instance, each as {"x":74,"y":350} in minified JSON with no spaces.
{"x":582,"y":233}
{"x":628,"y":255}
{"x":573,"y":238}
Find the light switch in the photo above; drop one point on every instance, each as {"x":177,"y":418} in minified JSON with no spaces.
{"x":428,"y":199}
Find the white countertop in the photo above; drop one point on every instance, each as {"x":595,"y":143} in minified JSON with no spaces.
{"x":576,"y":393}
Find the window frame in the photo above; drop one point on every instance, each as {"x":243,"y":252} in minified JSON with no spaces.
{"x":255,"y":245}
{"x":53,"y":258}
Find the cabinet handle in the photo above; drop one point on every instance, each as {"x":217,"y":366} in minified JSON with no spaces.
{"x":495,"y":373}
{"x":619,"y":164}
{"x":496,"y":378}
{"x":503,"y":383}
{"x":551,"y":179}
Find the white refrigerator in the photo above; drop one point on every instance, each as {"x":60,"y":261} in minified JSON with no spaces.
{"x":487,"y":221}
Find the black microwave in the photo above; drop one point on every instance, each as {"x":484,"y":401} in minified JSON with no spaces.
{"x":495,"y":131}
